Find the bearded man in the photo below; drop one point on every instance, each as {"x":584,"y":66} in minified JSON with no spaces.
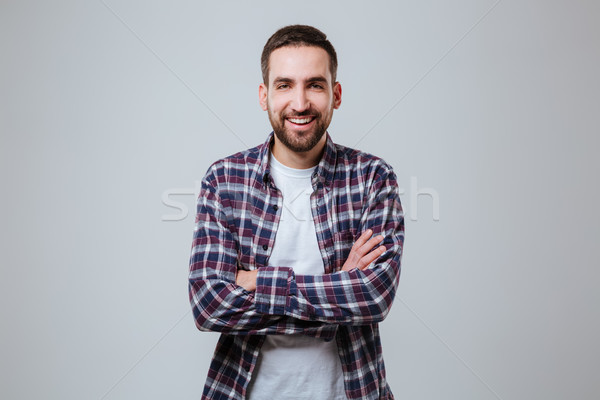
{"x":297,"y":245}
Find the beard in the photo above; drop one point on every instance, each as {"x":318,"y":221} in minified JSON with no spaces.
{"x":300,"y":141}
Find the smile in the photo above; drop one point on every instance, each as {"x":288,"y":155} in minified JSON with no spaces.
{"x":301,"y":121}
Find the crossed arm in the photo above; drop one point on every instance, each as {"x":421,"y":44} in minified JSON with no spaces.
{"x":273,"y":300}
{"x":360,"y":257}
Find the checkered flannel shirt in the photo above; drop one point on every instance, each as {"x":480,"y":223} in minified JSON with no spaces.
{"x":238,"y":212}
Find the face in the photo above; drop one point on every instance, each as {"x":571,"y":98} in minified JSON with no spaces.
{"x":300,"y":97}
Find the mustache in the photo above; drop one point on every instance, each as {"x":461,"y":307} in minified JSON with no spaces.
{"x":305,"y":113}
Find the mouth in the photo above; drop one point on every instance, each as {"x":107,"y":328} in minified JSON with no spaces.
{"x":300,"y":121}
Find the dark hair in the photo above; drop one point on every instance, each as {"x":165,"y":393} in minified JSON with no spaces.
{"x":297,"y":35}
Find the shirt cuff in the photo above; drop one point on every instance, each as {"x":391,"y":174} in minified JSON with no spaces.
{"x":274,"y":286}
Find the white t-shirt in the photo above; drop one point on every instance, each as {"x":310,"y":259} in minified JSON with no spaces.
{"x":296,"y":366}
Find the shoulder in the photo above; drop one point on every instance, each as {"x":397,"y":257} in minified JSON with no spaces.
{"x":237,"y":166}
{"x":235,"y":161}
{"x":360,"y":163}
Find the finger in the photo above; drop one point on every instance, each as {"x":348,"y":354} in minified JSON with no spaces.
{"x":362,"y":239}
{"x":372,"y":256}
{"x":369,"y":245}
{"x":369,"y":258}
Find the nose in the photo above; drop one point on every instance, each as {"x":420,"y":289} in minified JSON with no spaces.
{"x":300,"y":100}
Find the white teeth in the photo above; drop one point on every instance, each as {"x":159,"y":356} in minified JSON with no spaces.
{"x":300,"y":120}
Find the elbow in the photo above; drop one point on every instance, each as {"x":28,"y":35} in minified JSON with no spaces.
{"x":200,"y":319}
{"x":209,"y":316}
{"x":200,"y":310}
{"x":202,"y":325}
{"x":378,"y":317}
{"x":382,"y":297}
{"x":380,"y":309}
{"x":205,"y":322}
{"x":384,"y":313}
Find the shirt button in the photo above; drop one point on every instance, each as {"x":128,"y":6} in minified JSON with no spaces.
{"x":275,"y":207}
{"x":265,"y":247}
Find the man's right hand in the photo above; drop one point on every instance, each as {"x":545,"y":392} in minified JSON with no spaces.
{"x":246,"y":279}
{"x":359,"y":256}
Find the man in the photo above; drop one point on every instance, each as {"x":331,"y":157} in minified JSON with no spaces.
{"x":297,"y":246}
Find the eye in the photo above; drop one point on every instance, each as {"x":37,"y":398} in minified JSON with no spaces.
{"x":316,"y":86}
{"x":282,"y":86}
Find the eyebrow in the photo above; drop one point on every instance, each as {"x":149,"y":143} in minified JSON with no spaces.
{"x":319,"y":78}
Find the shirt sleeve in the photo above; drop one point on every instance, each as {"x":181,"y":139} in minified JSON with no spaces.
{"x":217,"y":302}
{"x":355,"y":297}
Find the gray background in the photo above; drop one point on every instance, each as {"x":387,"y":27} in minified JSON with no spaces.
{"x":493,"y":105}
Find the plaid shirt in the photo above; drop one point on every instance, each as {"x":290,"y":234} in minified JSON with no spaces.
{"x":238,"y":213}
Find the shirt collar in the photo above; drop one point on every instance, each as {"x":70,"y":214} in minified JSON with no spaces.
{"x":323,"y":173}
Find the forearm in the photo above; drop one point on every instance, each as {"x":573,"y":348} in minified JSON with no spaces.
{"x":356,"y":297}
{"x":224,"y":307}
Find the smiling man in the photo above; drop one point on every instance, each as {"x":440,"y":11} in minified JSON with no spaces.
{"x":297,"y":245}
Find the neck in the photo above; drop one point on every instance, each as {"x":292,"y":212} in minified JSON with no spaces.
{"x":298,"y":160}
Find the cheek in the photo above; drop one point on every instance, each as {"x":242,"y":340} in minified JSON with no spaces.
{"x":275,"y":104}
{"x":324,"y":103}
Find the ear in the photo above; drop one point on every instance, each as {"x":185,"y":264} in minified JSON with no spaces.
{"x":262,"y":96}
{"x":337,"y":95}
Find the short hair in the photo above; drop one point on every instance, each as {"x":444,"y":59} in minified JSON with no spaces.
{"x":297,"y":35}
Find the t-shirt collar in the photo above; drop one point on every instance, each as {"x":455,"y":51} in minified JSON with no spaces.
{"x":323,"y":173}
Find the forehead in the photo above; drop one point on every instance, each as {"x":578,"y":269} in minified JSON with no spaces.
{"x":299,"y":63}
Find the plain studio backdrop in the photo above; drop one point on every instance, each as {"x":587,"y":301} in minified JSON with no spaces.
{"x":111,"y":112}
